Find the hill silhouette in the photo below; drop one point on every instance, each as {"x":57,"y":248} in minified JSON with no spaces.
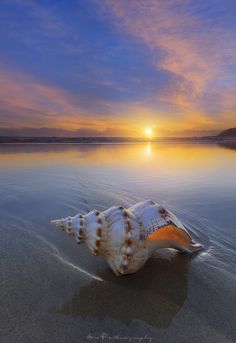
{"x":228,"y":133}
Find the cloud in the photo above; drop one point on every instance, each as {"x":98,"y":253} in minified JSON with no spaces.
{"x":188,"y":50}
{"x":25,"y":101}
{"x":28,"y":103}
{"x":183,"y":42}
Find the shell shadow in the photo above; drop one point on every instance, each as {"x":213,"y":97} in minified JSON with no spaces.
{"x":154,"y":295}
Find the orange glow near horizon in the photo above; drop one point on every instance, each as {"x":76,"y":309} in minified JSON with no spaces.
{"x":21,"y":92}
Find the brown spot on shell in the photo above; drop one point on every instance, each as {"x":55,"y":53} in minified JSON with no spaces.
{"x":128,"y":241}
{"x":81,"y":223}
{"x":95,"y":251}
{"x":128,"y":227}
{"x":162,"y":212}
{"x":99,"y":221}
{"x":98,"y":243}
{"x":125,"y":214}
{"x":99,"y":232}
{"x":80,"y":216}
{"x":97,"y":213}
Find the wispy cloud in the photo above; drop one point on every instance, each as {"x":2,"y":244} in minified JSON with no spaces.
{"x":29,"y":102}
{"x":190,"y":49}
{"x":26,"y":102}
{"x":196,"y":53}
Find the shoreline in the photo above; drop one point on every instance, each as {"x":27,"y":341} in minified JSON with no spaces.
{"x":112,"y":140}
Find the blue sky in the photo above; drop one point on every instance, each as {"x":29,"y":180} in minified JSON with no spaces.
{"x":108,"y":67}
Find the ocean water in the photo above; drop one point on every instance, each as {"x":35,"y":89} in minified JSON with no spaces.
{"x":52,"y":290}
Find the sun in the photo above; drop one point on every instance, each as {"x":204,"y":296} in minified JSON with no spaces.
{"x":148,"y":132}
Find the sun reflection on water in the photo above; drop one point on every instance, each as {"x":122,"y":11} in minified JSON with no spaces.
{"x":148,"y":149}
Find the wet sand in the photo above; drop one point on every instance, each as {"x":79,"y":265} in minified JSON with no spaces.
{"x":51,"y":290}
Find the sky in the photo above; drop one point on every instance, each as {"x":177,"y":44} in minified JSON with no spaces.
{"x":117,"y":67}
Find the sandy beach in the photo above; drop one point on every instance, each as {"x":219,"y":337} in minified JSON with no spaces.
{"x":53,"y":290}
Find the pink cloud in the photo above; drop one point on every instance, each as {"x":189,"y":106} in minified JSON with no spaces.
{"x":191,"y":51}
{"x":28,"y":102}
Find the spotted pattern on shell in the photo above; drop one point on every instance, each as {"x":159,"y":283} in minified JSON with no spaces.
{"x":124,"y":236}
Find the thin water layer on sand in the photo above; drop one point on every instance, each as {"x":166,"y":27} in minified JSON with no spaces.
{"x":53,"y":290}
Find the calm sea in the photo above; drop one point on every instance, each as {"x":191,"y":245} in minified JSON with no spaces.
{"x":52,"y":290}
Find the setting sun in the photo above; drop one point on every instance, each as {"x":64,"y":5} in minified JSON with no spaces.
{"x":148,"y":132}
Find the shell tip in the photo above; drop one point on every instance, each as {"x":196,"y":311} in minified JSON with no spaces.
{"x":55,"y":222}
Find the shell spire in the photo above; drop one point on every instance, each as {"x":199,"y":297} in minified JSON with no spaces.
{"x":72,"y":225}
{"x":127,"y":238}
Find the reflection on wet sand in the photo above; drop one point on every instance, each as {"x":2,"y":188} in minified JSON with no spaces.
{"x":228,"y":145}
{"x":154,"y":295}
{"x":163,"y":156}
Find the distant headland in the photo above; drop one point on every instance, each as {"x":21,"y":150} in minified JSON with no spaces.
{"x":228,"y":133}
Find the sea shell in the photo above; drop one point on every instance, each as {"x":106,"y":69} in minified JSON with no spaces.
{"x":127,"y":238}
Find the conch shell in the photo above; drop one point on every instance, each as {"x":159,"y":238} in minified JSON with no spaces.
{"x":127,"y":238}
